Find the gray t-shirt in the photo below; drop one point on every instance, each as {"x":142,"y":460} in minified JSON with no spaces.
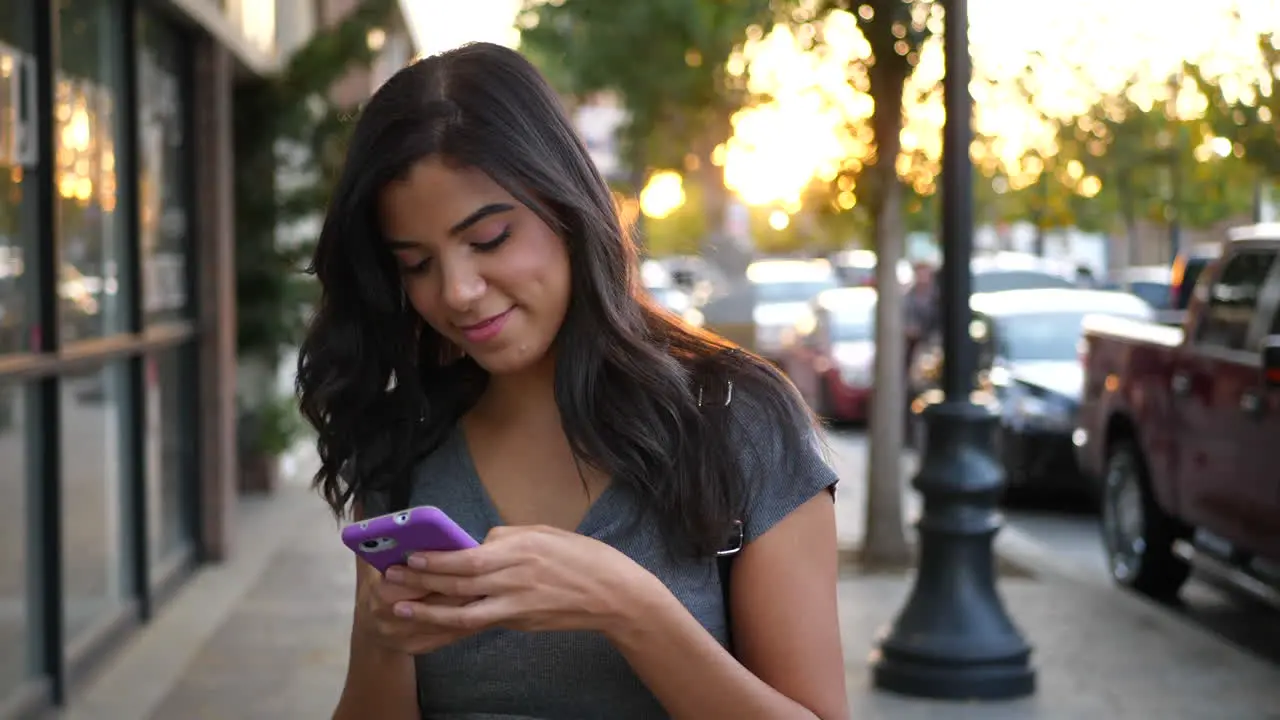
{"x":509,"y":675}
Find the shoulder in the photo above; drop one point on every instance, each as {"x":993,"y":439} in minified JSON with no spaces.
{"x":776,"y":441}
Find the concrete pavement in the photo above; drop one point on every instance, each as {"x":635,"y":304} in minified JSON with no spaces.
{"x":264,"y":637}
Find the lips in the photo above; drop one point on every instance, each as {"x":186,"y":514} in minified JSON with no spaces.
{"x":486,"y":329}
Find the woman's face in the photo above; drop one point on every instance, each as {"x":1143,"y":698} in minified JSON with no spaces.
{"x":480,"y":268}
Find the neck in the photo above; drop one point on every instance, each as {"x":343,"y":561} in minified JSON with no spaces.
{"x":528,"y":395}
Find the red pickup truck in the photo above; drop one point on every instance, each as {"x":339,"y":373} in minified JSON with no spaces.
{"x":1180,"y":428}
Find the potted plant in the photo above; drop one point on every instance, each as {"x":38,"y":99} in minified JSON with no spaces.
{"x":267,"y":431}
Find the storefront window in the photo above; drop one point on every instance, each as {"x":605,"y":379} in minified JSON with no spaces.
{"x":86,"y":110}
{"x":18,"y":572}
{"x":163,"y":171}
{"x":168,"y":448}
{"x":18,"y":162}
{"x":95,"y":581}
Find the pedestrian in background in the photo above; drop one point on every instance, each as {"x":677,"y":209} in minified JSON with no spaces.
{"x":920,"y":310}
{"x":483,"y":345}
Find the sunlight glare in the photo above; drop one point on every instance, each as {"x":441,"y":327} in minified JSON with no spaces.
{"x":813,"y":107}
{"x":662,"y":195}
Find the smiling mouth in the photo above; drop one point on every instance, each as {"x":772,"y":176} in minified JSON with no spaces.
{"x":486,"y":329}
{"x":487,"y":322}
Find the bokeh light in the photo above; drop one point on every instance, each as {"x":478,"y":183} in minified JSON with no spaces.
{"x":662,"y":195}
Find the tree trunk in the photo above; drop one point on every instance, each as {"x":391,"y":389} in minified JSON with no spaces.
{"x":717,"y":247}
{"x":885,"y":544}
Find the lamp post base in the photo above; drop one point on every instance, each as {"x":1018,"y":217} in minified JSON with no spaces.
{"x":954,"y":639}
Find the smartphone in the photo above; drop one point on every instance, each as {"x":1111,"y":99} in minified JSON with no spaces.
{"x":390,"y":539}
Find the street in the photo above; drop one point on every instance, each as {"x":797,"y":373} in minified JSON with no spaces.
{"x":1065,"y":532}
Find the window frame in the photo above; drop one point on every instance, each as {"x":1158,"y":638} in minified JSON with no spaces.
{"x":1251,"y":340}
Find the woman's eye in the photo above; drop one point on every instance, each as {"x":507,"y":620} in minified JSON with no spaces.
{"x":494,"y":243}
{"x":416,"y":268}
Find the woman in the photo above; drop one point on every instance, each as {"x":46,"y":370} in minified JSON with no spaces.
{"x":483,"y":345}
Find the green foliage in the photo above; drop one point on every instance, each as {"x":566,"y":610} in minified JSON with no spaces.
{"x":1249,"y":116}
{"x":290,"y":111}
{"x":681,"y":232}
{"x":273,"y":426}
{"x":1150,"y":166}
{"x":664,"y":58}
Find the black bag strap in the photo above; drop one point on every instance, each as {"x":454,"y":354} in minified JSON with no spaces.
{"x":718,"y":404}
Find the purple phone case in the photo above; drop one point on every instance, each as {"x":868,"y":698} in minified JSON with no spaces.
{"x":389,"y":539}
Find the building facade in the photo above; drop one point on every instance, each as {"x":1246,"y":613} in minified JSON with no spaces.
{"x":118,"y":453}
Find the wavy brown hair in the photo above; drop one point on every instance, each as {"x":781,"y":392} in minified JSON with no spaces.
{"x":627,"y":373}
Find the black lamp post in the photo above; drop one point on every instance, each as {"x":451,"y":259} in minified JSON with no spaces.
{"x":953,"y":639}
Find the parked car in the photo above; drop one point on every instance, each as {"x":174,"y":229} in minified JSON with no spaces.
{"x":1019,"y":271}
{"x":857,"y":268}
{"x":831,"y":354}
{"x":679,"y":302}
{"x":1181,"y":428}
{"x":696,"y":276}
{"x":1153,"y":283}
{"x":1029,"y":372}
{"x":781,"y":292}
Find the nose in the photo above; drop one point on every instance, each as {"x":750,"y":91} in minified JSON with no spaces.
{"x":463,"y":285}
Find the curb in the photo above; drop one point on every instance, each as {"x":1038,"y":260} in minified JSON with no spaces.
{"x":1023,"y":550}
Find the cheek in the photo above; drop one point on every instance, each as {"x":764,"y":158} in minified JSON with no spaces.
{"x":539,"y":272}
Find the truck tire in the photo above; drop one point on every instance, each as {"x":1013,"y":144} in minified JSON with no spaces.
{"x":1137,"y":535}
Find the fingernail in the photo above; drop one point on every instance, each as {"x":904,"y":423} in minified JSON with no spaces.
{"x":417,"y":562}
{"x":403,"y":611}
{"x":395,"y":574}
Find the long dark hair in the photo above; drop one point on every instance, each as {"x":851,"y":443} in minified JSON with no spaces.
{"x":379,"y":384}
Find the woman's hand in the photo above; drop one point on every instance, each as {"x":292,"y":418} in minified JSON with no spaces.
{"x":530,"y":579}
{"x":376,"y":601}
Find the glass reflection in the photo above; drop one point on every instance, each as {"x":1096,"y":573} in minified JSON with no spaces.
{"x":162,"y":179}
{"x":168,"y":475}
{"x":93,"y":573}
{"x":17,"y":571}
{"x":88,"y":124}
{"x":18,"y":162}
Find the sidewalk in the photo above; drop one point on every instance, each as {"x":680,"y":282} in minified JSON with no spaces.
{"x":264,"y":637}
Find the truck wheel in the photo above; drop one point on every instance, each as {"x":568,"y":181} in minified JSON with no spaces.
{"x":1137,"y":535}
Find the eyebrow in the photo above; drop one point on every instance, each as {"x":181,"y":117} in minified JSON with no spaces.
{"x":478,"y":215}
{"x":468,"y":221}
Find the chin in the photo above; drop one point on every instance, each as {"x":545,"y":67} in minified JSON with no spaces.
{"x":513,"y":359}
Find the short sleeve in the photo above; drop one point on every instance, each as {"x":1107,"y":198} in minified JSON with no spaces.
{"x":783,"y":468}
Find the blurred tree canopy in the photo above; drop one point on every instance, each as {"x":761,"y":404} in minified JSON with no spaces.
{"x":1120,"y":163}
{"x":664,"y":58}
{"x":896,"y":31}
{"x":1248,"y":114}
{"x":681,"y":232}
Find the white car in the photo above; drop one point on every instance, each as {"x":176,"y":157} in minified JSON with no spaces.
{"x":782,"y":292}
